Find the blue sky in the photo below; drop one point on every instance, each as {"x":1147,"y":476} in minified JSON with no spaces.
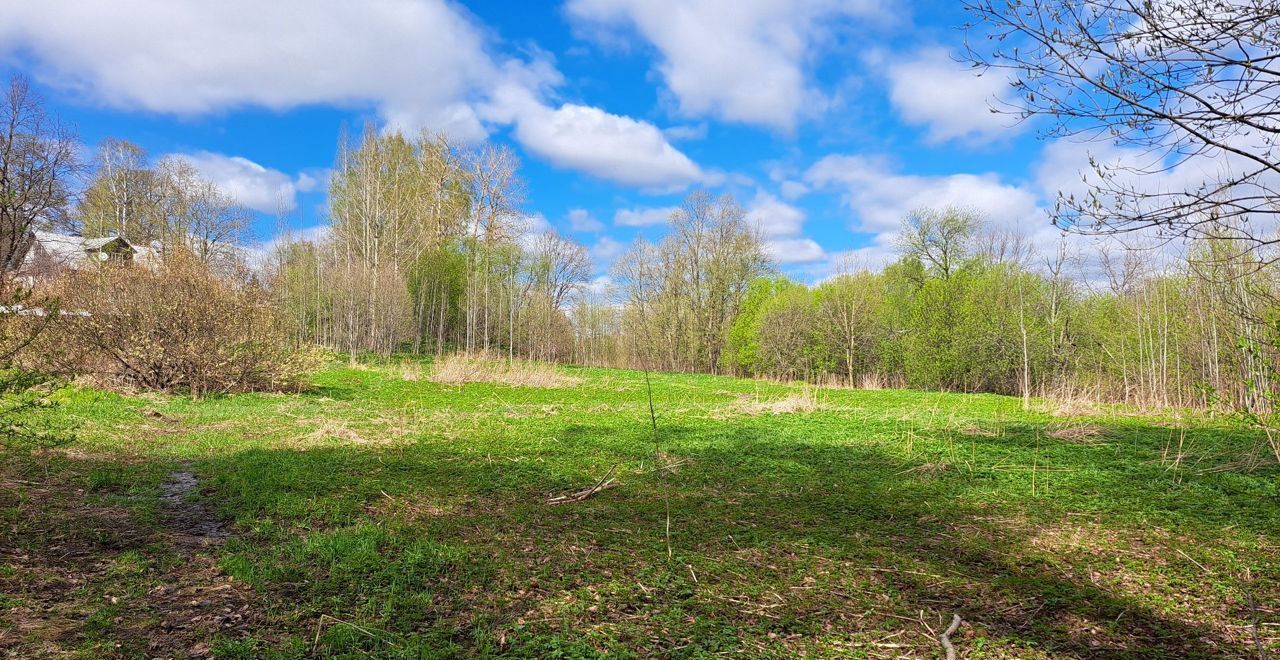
{"x":828,"y":120}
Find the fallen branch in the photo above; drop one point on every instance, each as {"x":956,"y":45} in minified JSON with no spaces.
{"x":605,"y":482}
{"x":945,"y":638}
{"x":1253,"y":608}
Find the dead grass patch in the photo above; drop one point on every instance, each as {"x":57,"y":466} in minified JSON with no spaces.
{"x":462,"y":368}
{"x":410,"y":371}
{"x":806,"y":400}
{"x":1078,"y":433}
{"x":978,"y":431}
{"x":409,"y":506}
{"x":334,"y":429}
{"x":928,"y":470}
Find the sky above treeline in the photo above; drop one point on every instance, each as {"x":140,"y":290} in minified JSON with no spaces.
{"x":828,"y":120}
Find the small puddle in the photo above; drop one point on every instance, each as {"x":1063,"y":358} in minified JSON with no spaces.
{"x":189,"y":519}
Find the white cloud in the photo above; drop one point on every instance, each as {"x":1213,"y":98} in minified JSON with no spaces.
{"x":951,"y":100}
{"x":529,"y":227}
{"x":686,"y":132}
{"x":419,"y":63}
{"x":606,"y":146}
{"x":600,"y":289}
{"x":420,"y":59}
{"x":582,"y":220}
{"x":880,"y":198}
{"x":781,"y":225}
{"x":642,"y":217}
{"x":257,"y":187}
{"x":793,"y":189}
{"x":774,"y":217}
{"x":737,"y":60}
{"x":605,"y":251}
{"x":258,"y":252}
{"x":794,"y":250}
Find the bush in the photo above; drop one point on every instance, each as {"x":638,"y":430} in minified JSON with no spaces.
{"x":24,"y":391}
{"x":175,"y":327}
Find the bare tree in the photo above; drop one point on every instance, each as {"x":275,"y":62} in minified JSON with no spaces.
{"x":38,"y":159}
{"x":1188,"y":85}
{"x":198,"y":215}
{"x":941,"y":239}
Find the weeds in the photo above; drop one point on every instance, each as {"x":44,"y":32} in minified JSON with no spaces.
{"x":461,"y":368}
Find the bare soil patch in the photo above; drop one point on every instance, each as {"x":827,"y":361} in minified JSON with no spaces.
{"x":80,"y":575}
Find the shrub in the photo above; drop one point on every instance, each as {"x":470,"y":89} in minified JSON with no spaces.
{"x":24,"y":391}
{"x":175,"y":326}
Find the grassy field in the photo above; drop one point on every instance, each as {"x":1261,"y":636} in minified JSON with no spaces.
{"x":382,"y":513}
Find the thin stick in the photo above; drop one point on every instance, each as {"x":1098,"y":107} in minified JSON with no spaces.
{"x":657,"y":457}
{"x":605,"y":482}
{"x":945,"y":638}
{"x":1253,"y":607}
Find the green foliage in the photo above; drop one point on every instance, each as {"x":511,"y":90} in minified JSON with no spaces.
{"x":741,"y":354}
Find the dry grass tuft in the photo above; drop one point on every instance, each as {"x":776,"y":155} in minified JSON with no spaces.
{"x":928,"y":470}
{"x":804,"y":401}
{"x":411,"y":371}
{"x":1079,"y":433}
{"x":978,"y":431}
{"x":463,"y":368}
{"x":870,"y":382}
{"x":332,"y":429}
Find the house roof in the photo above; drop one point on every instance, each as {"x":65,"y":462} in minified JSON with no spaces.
{"x":66,"y":250}
{"x":58,"y":247}
{"x":99,"y":243}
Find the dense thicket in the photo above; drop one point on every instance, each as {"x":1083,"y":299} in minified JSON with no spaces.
{"x":176,"y":326}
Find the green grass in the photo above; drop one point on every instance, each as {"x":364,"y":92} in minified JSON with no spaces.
{"x":398,"y":518}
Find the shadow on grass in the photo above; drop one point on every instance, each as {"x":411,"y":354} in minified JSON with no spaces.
{"x":451,"y":547}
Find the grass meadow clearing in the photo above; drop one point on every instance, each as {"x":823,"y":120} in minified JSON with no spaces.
{"x":382,"y":513}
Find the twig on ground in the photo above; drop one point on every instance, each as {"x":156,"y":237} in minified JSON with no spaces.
{"x":605,"y":482}
{"x":1253,"y":608}
{"x":1198,"y":564}
{"x":945,"y":638}
{"x":320,"y":626}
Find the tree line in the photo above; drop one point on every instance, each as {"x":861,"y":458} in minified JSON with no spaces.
{"x":964,"y":307}
{"x":429,"y":251}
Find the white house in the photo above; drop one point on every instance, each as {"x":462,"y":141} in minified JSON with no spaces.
{"x":50,"y":253}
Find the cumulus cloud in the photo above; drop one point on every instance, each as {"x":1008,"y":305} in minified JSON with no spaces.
{"x":793,"y":189}
{"x":879,"y":198}
{"x":781,"y":224}
{"x":257,"y":187}
{"x":419,"y":63}
{"x":686,"y":132}
{"x":582,"y":220}
{"x":529,"y":227}
{"x":643,"y":217}
{"x":605,"y":251}
{"x":739,"y":61}
{"x":408,"y":58}
{"x":600,"y":289}
{"x":949,"y":99}
{"x":605,"y":145}
{"x":794,"y":250}
{"x":259,"y":252}
{"x":774,"y":217}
